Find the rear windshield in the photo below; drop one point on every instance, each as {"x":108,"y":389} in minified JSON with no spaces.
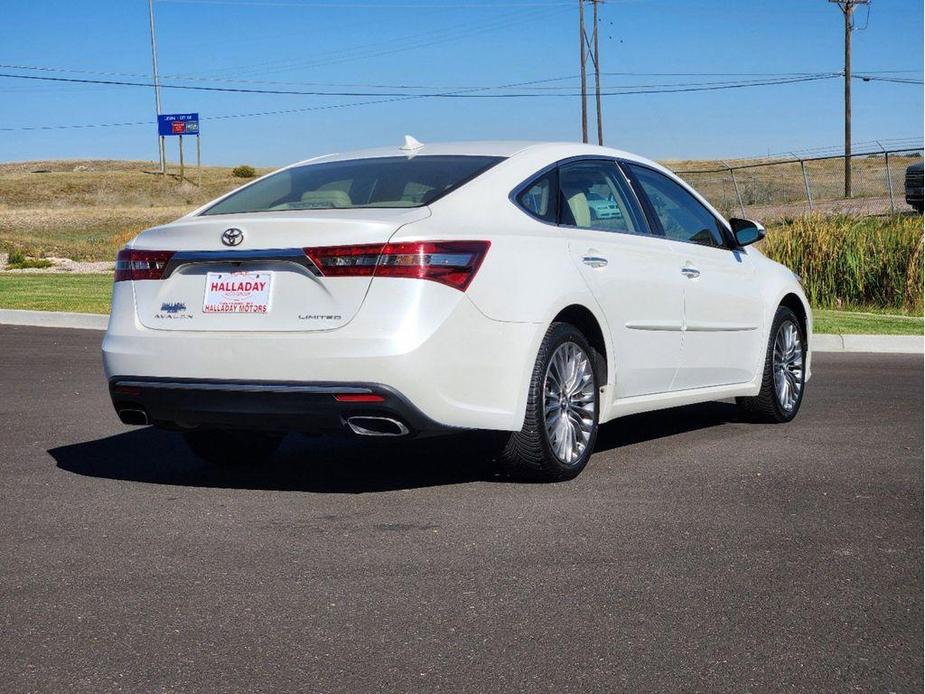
{"x":379,"y":182}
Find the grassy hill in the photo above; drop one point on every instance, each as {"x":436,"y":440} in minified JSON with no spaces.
{"x":88,"y":209}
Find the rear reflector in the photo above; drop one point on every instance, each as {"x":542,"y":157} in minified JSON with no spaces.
{"x":453,"y":263}
{"x":358,"y":397}
{"x":141,"y":265}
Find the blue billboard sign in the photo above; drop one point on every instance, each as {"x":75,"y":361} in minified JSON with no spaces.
{"x":178,"y":124}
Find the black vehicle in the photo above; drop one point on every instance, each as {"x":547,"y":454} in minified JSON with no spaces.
{"x":914,"y":186}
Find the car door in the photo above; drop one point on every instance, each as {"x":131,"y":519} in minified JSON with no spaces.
{"x":632,"y":274}
{"x":722,"y":340}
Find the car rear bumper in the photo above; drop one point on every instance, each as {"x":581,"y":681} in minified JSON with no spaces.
{"x":427,"y":342}
{"x":369,"y":409}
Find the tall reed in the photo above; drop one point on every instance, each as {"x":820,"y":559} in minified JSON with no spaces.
{"x":855,"y":262}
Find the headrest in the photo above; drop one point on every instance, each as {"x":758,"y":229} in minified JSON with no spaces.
{"x":326,"y":198}
{"x":578,"y":204}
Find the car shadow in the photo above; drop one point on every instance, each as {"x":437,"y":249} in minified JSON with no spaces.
{"x":650,"y":426}
{"x":342,"y":465}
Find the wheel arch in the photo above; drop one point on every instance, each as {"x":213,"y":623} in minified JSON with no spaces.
{"x":796,"y":301}
{"x":585,"y":321}
{"x":795,"y":304}
{"x":578,"y":309}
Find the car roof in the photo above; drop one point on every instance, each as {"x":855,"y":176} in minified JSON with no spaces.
{"x":491,"y":148}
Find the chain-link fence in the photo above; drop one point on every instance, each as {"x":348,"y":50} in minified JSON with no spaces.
{"x":787,"y":187}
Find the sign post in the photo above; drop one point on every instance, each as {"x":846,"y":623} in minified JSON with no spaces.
{"x":178,"y":125}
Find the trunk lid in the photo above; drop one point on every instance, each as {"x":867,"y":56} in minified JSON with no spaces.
{"x":264,"y":282}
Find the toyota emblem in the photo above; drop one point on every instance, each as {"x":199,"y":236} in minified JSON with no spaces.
{"x":232,"y":237}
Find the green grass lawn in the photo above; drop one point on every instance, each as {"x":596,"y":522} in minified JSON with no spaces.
{"x":46,"y":292}
{"x":92,"y":294}
{"x":857,"y":323}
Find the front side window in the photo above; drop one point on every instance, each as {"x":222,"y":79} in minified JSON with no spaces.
{"x":594,"y":196}
{"x":682,"y":216}
{"x":356,"y":183}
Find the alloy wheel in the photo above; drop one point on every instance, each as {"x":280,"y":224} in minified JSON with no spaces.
{"x":788,"y":365}
{"x":569,"y":402}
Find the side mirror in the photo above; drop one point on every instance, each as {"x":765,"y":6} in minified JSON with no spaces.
{"x":746,"y":231}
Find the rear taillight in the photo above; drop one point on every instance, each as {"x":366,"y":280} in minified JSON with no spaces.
{"x":141,"y":265}
{"x":346,"y":261}
{"x":453,"y":263}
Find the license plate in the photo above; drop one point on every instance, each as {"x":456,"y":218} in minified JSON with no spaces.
{"x":237,"y":292}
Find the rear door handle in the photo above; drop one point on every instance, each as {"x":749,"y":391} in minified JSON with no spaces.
{"x":690,"y":272}
{"x":594,"y":261}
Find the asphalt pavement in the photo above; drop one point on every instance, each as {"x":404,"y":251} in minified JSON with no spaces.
{"x":696,"y":552}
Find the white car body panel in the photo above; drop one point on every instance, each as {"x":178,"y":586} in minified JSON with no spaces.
{"x":724,"y":336}
{"x":300,"y":292}
{"x":464,"y":359}
{"x":642,"y":296}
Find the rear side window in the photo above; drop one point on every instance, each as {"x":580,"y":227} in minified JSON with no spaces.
{"x":541,"y":197}
{"x":594,"y":196}
{"x":356,"y":183}
{"x":682,"y":216}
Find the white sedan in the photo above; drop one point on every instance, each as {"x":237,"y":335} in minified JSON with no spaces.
{"x":538,"y":289}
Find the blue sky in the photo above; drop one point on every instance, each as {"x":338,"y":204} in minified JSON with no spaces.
{"x":446,"y":46}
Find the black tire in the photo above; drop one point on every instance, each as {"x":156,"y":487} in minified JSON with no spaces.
{"x":766,"y":406}
{"x":231,"y":449}
{"x":528,"y":453}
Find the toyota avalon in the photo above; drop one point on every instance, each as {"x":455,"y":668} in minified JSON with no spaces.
{"x":535,"y":289}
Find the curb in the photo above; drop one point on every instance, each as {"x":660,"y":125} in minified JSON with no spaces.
{"x":884,"y":344}
{"x":54,"y":319}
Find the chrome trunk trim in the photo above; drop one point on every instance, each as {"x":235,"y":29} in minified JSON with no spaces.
{"x":288,"y":255}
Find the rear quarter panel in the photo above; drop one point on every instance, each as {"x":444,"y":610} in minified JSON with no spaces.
{"x":528,"y":275}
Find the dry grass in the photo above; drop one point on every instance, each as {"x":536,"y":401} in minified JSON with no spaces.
{"x":87,"y":210}
{"x":782,"y":183}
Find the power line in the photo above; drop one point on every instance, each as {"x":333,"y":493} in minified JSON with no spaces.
{"x":645,"y":89}
{"x":391,"y":99}
{"x":747,"y":74}
{"x":230,"y":80}
{"x":740,"y":85}
{"x":894,"y":80}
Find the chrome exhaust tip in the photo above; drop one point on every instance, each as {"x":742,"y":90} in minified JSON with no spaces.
{"x":376,"y":426}
{"x":133,"y":416}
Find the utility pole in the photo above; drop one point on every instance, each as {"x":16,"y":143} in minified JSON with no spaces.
{"x":597,"y":81}
{"x":584,"y":57}
{"x":590,"y":48}
{"x":847,"y":8}
{"x":157,"y":85}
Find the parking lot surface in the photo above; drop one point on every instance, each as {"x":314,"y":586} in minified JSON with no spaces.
{"x":696,"y":553}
